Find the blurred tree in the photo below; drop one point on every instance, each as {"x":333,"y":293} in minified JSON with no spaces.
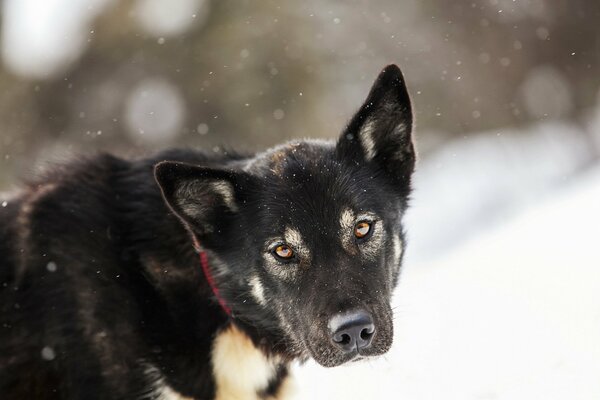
{"x":249,"y":74}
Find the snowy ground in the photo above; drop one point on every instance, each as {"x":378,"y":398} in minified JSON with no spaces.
{"x":512,"y":312}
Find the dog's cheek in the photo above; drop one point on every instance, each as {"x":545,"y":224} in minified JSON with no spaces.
{"x":288,"y":323}
{"x":385,"y":327}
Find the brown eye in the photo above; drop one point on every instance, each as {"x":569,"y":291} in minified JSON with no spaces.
{"x":283,"y":251}
{"x":362,"y":229}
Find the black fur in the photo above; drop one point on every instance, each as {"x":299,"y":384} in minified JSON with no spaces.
{"x":101,"y":290}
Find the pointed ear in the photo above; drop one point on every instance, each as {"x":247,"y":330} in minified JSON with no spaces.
{"x":201,"y":197}
{"x":381,"y":131}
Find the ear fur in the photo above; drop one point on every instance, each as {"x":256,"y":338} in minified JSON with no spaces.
{"x":198,"y":195}
{"x":381,"y":131}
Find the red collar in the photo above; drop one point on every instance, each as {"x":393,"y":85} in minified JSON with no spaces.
{"x":209,"y":277}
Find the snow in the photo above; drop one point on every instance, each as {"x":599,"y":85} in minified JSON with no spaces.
{"x":51,"y":266}
{"x":471,"y":184}
{"x":48,"y":353}
{"x":510,"y":313}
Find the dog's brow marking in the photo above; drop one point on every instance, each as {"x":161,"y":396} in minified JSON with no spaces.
{"x":367,"y":216}
{"x":347,"y":218}
{"x":294,"y":238}
{"x":258,"y":290}
{"x":366,"y":139}
{"x":241,"y":370}
{"x":347,"y":221}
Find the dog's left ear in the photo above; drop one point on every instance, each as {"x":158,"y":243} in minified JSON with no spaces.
{"x":201,"y":197}
{"x":381,"y":131}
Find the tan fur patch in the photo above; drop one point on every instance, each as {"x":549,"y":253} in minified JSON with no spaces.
{"x":294,"y":238}
{"x":347,"y":221}
{"x":285,"y":391}
{"x":257,"y":290}
{"x":241,"y":370}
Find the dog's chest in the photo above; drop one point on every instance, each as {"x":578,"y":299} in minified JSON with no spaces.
{"x":241,"y":371}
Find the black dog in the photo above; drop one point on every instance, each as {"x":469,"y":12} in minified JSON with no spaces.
{"x":208,"y":284}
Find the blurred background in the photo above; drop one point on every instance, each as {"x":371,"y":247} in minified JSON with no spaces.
{"x":500,"y":298}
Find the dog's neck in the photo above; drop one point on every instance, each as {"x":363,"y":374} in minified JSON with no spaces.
{"x":188,"y":329}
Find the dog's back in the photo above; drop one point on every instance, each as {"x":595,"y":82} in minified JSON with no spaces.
{"x":13,"y":357}
{"x":44,"y":231}
{"x":8,"y":212}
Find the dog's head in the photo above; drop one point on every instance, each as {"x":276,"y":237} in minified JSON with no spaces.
{"x":307,"y":237}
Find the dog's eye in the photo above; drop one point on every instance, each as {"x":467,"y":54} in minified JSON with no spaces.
{"x":362,"y":229}
{"x":283,"y":251}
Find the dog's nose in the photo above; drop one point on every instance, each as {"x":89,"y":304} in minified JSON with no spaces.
{"x":352,"y":330}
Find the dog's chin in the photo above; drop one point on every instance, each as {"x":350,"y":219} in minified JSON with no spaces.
{"x":329,"y":357}
{"x":335,"y":361}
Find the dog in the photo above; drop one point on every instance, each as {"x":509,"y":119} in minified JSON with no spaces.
{"x":195,"y":275}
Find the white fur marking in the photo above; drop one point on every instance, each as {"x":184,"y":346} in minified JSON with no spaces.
{"x":241,"y":371}
{"x":258,"y":291}
{"x":347,"y":221}
{"x":366,"y":139}
{"x":294,"y":238}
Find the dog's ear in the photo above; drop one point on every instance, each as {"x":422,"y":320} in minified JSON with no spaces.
{"x":381,"y":131}
{"x":201,"y":197}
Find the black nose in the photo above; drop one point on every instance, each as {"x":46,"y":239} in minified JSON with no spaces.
{"x":352,"y":330}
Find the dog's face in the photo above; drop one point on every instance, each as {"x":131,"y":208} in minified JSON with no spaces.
{"x":308,"y":236}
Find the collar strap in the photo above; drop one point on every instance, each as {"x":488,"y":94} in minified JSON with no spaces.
{"x":209,"y":278}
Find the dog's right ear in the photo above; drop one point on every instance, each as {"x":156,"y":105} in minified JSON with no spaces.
{"x":200,"y":196}
{"x":380,"y":133}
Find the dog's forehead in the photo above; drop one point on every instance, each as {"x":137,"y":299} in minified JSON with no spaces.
{"x":309,"y":189}
{"x":311,"y":199}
